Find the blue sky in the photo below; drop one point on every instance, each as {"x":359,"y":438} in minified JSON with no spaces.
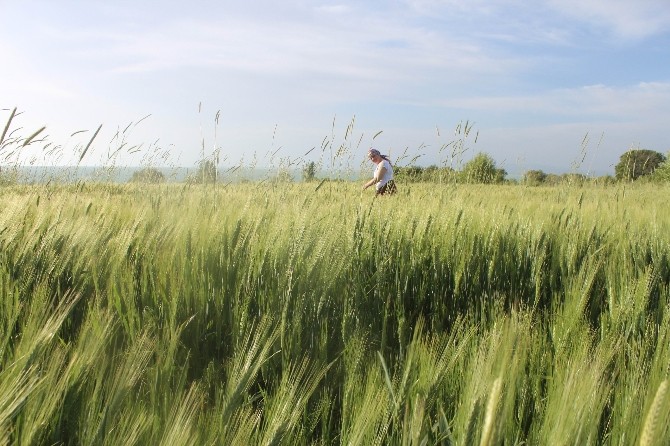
{"x":555,"y":85}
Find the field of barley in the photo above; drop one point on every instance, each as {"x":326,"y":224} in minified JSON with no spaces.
{"x":300,"y":314}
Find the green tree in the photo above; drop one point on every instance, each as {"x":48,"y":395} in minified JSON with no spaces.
{"x":662,"y":172}
{"x":534,"y":177}
{"x":441,"y":175}
{"x":8,"y":177}
{"x":573,"y":179}
{"x":634,"y":164}
{"x":206,"y":173}
{"x":552,"y":179}
{"x":309,"y":172}
{"x":409,"y":173}
{"x":431,"y":172}
{"x":605,"y":180}
{"x":148,"y":175}
{"x":482,"y":169}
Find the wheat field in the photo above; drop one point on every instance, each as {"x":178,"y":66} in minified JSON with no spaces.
{"x":294,"y":314}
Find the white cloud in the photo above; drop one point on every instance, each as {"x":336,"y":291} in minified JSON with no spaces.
{"x":367,"y":56}
{"x":552,"y":21}
{"x":334,"y":9}
{"x":626,"y":19}
{"x":599,"y":102}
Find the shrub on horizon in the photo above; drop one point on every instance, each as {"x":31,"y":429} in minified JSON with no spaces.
{"x":309,"y":172}
{"x":206,"y":173}
{"x":148,"y":175}
{"x":662,"y":172}
{"x":8,"y":177}
{"x":534,"y":177}
{"x":482,"y":169}
{"x":636,"y":163}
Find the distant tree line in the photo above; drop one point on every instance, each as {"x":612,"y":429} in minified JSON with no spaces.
{"x":540,"y":178}
{"x":633,"y":165}
{"x":481,"y":169}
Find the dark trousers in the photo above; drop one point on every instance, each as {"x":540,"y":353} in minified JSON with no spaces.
{"x":388,"y":189}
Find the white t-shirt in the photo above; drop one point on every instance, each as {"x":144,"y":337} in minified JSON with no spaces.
{"x":388,"y":175}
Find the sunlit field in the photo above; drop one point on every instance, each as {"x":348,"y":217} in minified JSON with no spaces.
{"x":312,"y":313}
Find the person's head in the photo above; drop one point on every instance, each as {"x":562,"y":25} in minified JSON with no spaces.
{"x":374,"y":155}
